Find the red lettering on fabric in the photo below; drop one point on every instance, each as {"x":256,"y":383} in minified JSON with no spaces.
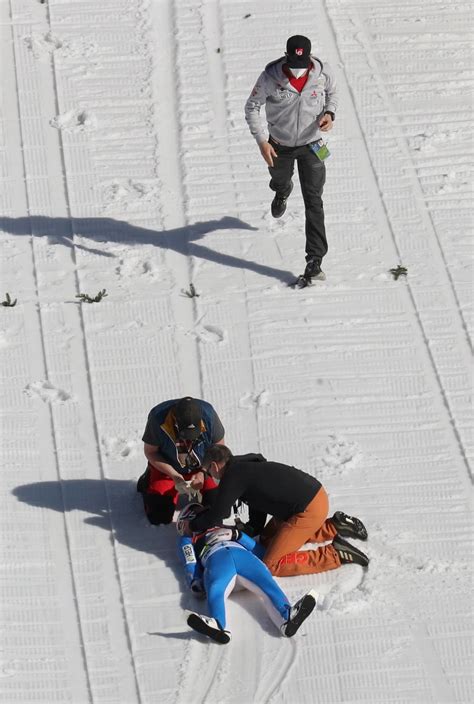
{"x":294,"y":558}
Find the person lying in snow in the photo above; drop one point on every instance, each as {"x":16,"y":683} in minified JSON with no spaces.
{"x":218,"y":559}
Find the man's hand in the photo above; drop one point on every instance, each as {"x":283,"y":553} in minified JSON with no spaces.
{"x":268,"y":153}
{"x":197,"y":588}
{"x":197,"y":481}
{"x":184,"y":487}
{"x":181,"y":485}
{"x":325,"y":123}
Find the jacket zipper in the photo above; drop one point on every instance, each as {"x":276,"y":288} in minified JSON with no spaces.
{"x":185,"y":470}
{"x":298,"y":119}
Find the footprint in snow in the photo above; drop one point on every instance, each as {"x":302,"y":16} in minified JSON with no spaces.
{"x":128,"y":194}
{"x":341,"y":456}
{"x":47,"y":392}
{"x":211,"y":334}
{"x":120,"y":448}
{"x":5,"y":338}
{"x":254,"y":400}
{"x":132,"y":266}
{"x":42,"y":45}
{"x":74,"y":121}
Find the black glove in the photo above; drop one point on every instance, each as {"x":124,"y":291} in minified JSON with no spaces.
{"x":197,"y":588}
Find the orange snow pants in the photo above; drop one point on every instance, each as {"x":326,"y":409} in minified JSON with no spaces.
{"x":283,"y":539}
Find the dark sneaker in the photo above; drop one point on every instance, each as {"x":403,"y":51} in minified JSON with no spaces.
{"x":299,"y":613}
{"x":349,"y":526}
{"x":348,"y":553}
{"x":279,"y":203}
{"x":208,"y":627}
{"x":313,"y":270}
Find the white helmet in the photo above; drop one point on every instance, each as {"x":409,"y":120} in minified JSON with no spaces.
{"x":188,"y":513}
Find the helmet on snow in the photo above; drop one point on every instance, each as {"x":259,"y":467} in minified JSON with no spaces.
{"x":188,"y":513}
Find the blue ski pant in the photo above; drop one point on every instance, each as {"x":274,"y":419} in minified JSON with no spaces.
{"x":229,"y":565}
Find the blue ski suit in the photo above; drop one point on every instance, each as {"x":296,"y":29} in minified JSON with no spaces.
{"x":218,"y":562}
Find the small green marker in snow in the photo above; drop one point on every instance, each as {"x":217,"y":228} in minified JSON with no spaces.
{"x":85,"y":298}
{"x":398,"y":271}
{"x":192,"y":293}
{"x":8,"y":303}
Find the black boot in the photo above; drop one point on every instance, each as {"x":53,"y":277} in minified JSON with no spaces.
{"x":299,"y":613}
{"x":349,"y":526}
{"x":348,"y":553}
{"x":279,"y":203}
{"x":313,"y":270}
{"x":208,"y":627}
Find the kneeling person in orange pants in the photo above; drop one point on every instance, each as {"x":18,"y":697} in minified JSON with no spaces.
{"x":299,"y":508}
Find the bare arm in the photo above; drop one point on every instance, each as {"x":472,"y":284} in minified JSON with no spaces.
{"x":152,"y":453}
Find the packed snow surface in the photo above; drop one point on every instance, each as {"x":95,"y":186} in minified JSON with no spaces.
{"x":126,"y":165}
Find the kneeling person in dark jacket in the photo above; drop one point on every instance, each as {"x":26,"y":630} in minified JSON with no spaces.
{"x":299,"y":508}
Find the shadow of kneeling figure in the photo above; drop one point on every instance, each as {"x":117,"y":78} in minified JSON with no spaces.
{"x":112,"y":505}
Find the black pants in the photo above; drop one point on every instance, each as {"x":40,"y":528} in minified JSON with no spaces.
{"x":312,"y":174}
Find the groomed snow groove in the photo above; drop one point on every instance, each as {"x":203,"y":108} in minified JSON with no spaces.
{"x":126,"y":164}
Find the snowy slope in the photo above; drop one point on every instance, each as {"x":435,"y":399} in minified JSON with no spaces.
{"x":126,"y":164}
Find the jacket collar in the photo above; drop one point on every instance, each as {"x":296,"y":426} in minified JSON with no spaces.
{"x":275,"y":70}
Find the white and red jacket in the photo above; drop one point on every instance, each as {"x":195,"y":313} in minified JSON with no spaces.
{"x":292,"y":116}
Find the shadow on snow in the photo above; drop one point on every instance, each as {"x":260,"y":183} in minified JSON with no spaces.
{"x":181,"y":239}
{"x":115,"y":506}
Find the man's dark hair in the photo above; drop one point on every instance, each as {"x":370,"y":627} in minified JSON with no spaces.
{"x":216,"y":453}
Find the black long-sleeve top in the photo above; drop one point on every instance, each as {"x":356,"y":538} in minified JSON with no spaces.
{"x":266,"y":487}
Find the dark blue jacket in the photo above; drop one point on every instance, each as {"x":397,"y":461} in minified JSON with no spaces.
{"x":160,"y":431}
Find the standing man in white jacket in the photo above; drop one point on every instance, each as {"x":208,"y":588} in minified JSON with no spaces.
{"x":300,"y":98}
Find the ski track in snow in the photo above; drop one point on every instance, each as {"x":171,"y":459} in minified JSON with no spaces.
{"x":127,"y":165}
